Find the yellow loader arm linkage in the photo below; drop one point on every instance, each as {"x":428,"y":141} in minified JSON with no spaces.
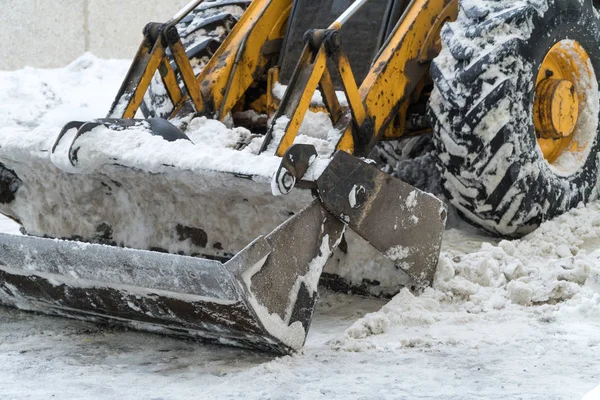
{"x":249,"y":53}
{"x":402,"y":64}
{"x":245,"y":54}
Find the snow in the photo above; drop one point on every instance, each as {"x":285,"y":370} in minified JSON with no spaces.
{"x":352,"y":196}
{"x":504,"y":319}
{"x":9,"y":226}
{"x":593,"y":394}
{"x":311,"y":279}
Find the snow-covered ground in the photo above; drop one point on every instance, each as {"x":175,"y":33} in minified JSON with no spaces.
{"x":505,"y":319}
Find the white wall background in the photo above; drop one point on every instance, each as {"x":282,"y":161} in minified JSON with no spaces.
{"x":52,"y":33}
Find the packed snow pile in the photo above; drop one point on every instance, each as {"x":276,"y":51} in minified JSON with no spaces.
{"x":551,"y":272}
{"x":82,"y":91}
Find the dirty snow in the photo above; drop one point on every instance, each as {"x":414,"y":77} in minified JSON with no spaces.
{"x":504,"y":319}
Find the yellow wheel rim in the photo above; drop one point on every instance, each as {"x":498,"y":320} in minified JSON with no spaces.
{"x":563,"y":86}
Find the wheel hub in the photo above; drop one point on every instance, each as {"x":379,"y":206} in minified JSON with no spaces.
{"x":561,"y":98}
{"x":556,"y":108}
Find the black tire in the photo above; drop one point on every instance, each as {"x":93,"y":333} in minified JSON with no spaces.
{"x":481,"y":109}
{"x":202,"y":32}
{"x":411,"y":160}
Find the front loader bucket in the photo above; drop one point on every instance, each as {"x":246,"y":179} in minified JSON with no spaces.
{"x":187,"y":239}
{"x":262,"y":298}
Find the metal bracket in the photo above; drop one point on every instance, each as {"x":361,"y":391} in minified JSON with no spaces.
{"x":154,"y":126}
{"x":312,"y":73}
{"x":151,"y":57}
{"x":294,"y":164}
{"x":405,"y":224}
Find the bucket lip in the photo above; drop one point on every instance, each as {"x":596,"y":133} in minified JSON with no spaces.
{"x":223,"y":333}
{"x":91,"y":284}
{"x":84,"y":245}
{"x":95,"y":265}
{"x":242,"y":284}
{"x":29,"y":284}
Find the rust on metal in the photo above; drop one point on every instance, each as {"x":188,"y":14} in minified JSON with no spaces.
{"x":402,"y":222}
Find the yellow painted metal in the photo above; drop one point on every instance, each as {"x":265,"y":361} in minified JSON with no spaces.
{"x":273,"y":101}
{"x":170,"y":80}
{"x":401,"y":64}
{"x":157,"y":54}
{"x":272,"y":78}
{"x":565,"y":61}
{"x":433,"y":43}
{"x":328,"y":92}
{"x":297,"y":117}
{"x":320,"y":77}
{"x":351,"y":89}
{"x":187,"y":74}
{"x":260,"y":105}
{"x":556,"y":108}
{"x":239,"y":60}
{"x":279,"y":27}
{"x":398,"y":128}
{"x":346,"y":142}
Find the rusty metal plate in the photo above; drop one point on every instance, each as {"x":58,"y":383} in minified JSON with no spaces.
{"x":404,"y":223}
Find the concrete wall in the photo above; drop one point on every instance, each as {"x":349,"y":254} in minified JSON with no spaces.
{"x":52,"y":33}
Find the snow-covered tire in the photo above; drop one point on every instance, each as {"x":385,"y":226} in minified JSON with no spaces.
{"x":201,"y":32}
{"x":491,"y":166}
{"x":411,"y":160}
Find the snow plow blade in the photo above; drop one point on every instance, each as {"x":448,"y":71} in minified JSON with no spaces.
{"x":262,"y":298}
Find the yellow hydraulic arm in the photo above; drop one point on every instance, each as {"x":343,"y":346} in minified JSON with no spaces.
{"x":240,"y":61}
{"x":376,"y":109}
{"x":385,"y":94}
